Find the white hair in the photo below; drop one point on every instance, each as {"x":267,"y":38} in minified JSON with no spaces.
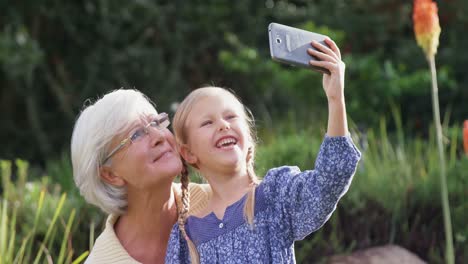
{"x":97,"y":125}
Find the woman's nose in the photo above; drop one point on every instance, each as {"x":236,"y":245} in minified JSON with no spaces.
{"x":156,"y":135}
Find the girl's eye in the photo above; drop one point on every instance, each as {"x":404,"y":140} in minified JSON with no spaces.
{"x":232,"y":116}
{"x":137,"y":134}
{"x":205,"y":123}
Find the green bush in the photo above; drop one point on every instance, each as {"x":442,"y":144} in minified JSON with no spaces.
{"x":394,"y":197}
{"x":37,"y":220}
{"x":56,"y":54}
{"x":372,"y":82}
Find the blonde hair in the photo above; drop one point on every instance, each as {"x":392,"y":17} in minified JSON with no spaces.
{"x":94,"y":130}
{"x":179,"y":125}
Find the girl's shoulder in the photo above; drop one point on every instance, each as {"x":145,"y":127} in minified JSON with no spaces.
{"x":276,"y":180}
{"x":285,"y":170}
{"x":276,"y":175}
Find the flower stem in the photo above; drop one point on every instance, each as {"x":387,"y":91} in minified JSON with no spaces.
{"x":449,"y":253}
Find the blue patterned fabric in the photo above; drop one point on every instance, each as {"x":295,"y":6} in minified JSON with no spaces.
{"x":289,"y":205}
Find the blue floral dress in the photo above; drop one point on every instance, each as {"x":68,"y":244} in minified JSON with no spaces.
{"x":289,"y":205}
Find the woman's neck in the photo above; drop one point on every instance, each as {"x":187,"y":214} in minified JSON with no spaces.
{"x":145,"y":228}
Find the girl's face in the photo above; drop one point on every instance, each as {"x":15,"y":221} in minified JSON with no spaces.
{"x":149,"y":159}
{"x":217,"y":134}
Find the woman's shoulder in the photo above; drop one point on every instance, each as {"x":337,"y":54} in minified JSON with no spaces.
{"x":107,"y":248}
{"x":199,"y":196}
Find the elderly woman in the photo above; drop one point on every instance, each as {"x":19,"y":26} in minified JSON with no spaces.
{"x":124,"y":161}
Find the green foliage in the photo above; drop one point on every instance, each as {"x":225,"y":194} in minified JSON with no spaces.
{"x":54,"y":55}
{"x":80,"y":50}
{"x":394,"y":197}
{"x":60,"y":171}
{"x":20,"y":54}
{"x":287,"y":150}
{"x":32,"y":220}
{"x":374,"y":85}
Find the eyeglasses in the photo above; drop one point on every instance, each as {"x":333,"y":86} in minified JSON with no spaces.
{"x":160,"y":122}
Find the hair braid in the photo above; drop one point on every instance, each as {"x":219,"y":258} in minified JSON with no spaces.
{"x":249,"y":208}
{"x":250,"y":166}
{"x":184,"y":211}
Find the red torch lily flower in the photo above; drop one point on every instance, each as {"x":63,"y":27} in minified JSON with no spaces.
{"x":426,"y":26}
{"x":465,"y":136}
{"x":427,"y":31}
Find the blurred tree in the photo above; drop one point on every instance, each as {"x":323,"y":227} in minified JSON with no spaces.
{"x":56,"y":54}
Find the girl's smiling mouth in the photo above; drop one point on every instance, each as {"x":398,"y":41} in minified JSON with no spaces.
{"x":226,"y":141}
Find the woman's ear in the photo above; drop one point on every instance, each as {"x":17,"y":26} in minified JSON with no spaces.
{"x":110,"y":177}
{"x":188,"y":156}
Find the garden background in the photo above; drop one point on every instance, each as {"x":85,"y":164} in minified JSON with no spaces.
{"x":56,"y":54}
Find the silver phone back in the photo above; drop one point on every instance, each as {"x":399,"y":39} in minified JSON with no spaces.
{"x":289,"y":45}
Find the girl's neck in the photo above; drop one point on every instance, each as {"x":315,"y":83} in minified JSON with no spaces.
{"x":227,"y":189}
{"x":147,"y":223}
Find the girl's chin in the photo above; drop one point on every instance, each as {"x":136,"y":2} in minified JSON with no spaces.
{"x":231,"y":163}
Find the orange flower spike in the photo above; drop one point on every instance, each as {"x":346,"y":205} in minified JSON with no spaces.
{"x":465,"y":137}
{"x":426,"y":26}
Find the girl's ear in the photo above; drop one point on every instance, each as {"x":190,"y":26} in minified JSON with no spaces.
{"x":110,"y":177}
{"x":188,"y":156}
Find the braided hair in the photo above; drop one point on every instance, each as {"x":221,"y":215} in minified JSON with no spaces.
{"x":249,"y":207}
{"x":184,"y":212}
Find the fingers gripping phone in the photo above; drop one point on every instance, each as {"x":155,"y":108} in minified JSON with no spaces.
{"x":289,"y":45}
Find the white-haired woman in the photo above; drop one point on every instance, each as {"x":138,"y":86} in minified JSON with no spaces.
{"x":124,"y":161}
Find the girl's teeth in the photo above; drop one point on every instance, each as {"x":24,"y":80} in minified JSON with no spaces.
{"x":226,"y":142}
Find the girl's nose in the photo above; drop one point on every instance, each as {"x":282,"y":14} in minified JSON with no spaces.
{"x":224,"y":125}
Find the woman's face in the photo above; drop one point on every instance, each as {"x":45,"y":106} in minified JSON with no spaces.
{"x":149,"y":158}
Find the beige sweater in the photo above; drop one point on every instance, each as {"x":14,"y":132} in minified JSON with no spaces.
{"x":108,"y":249}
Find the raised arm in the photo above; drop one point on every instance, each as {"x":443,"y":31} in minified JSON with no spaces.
{"x":333,"y":84}
{"x":303,"y":201}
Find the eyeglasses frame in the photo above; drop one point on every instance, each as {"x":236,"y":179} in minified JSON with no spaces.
{"x":161,"y":118}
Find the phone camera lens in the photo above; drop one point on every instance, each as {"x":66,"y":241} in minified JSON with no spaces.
{"x":278,"y":40}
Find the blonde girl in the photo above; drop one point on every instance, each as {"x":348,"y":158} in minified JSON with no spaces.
{"x":247,"y":221}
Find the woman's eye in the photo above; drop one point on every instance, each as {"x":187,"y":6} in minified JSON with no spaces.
{"x":137,"y":135}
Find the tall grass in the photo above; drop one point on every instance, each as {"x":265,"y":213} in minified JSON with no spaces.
{"x":394,"y":198}
{"x":400,"y":176}
{"x":395,"y":194}
{"x":47,"y":239}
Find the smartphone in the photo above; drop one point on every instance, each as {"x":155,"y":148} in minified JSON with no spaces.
{"x":289,"y":45}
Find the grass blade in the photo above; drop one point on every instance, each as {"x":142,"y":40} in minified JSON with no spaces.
{"x":5,"y":166}
{"x":11,"y":244}
{"x":3,"y":230}
{"x":36,"y":221}
{"x":65,"y":238}
{"x":20,"y":256}
{"x":91,"y":235}
{"x":52,"y":225}
{"x":81,"y":258}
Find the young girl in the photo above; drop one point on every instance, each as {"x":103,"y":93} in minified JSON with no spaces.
{"x":246,"y":221}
